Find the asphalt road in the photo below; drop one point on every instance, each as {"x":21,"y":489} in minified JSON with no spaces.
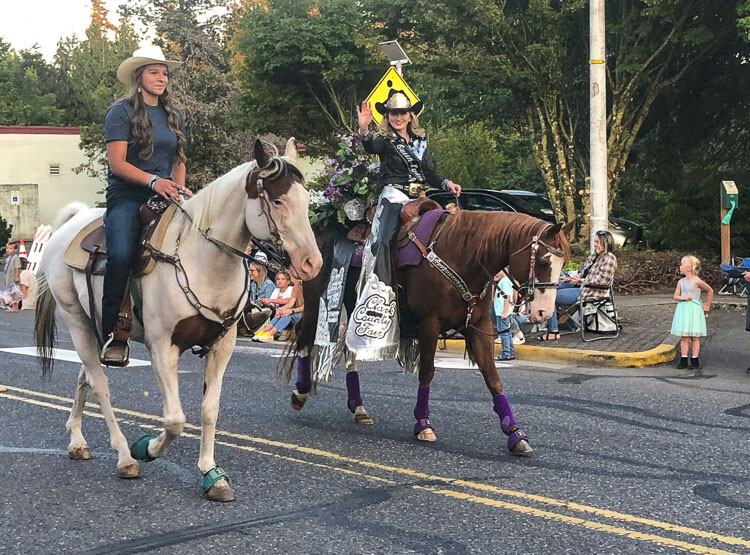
{"x":625,"y":461}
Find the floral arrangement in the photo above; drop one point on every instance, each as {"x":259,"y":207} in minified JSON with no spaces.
{"x":346,"y":185}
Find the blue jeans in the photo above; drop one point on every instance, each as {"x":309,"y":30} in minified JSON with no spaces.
{"x":123,"y":231}
{"x":281,"y":323}
{"x":506,"y":337}
{"x":567,"y":295}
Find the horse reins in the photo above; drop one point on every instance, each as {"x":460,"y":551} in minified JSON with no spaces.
{"x":278,"y":170}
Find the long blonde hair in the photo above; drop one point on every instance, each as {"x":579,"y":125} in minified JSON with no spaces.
{"x":385,"y":128}
{"x":299,"y":300}
{"x":262,"y":273}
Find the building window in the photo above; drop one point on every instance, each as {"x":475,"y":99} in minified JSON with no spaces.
{"x":54,"y":169}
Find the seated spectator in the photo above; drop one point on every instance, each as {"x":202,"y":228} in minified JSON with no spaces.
{"x":10,"y":293}
{"x":286,"y":316}
{"x":254,"y":316}
{"x":281,"y":297}
{"x":27,"y":284}
{"x":593,"y":280}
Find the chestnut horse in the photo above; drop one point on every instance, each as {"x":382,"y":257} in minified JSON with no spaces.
{"x":476,"y":245}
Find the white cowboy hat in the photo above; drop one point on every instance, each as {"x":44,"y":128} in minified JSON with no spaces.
{"x":142,"y":57}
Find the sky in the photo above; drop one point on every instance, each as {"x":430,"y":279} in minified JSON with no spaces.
{"x":45,"y":22}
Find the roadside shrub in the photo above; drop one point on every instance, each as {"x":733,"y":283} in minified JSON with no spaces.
{"x":641,"y":272}
{"x":5,"y":232}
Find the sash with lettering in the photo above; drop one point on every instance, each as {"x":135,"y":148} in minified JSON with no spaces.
{"x":412,"y":159}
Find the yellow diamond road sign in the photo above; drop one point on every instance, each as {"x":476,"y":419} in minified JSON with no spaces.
{"x":391,"y":80}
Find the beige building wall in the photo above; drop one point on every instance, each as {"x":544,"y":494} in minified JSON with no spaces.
{"x":28,"y":156}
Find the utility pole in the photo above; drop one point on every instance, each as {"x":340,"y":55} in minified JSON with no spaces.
{"x":599,"y":216}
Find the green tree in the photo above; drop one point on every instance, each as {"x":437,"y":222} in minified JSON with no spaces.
{"x":25,"y":89}
{"x":537,"y":49}
{"x":303,"y":66}
{"x":6,"y":231}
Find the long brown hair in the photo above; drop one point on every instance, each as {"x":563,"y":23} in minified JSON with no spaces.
{"x":141,"y":130}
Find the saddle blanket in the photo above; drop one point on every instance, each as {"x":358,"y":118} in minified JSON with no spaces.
{"x":410,"y":255}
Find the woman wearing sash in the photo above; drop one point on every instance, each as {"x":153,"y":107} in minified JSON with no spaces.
{"x":406,"y":171}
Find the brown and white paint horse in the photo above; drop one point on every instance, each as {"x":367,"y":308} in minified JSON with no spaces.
{"x":476,"y":245}
{"x":249,"y":201}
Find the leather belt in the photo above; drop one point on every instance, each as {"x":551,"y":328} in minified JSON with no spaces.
{"x":413,"y":189}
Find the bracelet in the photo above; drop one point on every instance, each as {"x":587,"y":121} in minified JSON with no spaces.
{"x":444,"y":184}
{"x":152,"y":181}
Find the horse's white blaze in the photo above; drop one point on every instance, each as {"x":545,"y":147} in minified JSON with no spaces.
{"x":541,"y":307}
{"x":297,"y":236}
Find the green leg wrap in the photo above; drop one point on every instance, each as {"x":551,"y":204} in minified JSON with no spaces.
{"x":139,"y":449}
{"x":213,"y":476}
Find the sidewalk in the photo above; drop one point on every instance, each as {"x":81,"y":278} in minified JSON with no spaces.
{"x":643,"y":341}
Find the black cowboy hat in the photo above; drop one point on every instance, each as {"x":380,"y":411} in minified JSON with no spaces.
{"x":397,"y":100}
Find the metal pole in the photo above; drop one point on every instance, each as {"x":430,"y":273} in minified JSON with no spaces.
{"x":399,"y":69}
{"x":599,"y":217}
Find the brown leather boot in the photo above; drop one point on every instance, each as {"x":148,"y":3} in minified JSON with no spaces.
{"x":254,"y":320}
{"x":115,"y":353}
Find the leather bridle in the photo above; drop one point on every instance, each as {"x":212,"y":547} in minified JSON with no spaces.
{"x":527,"y":290}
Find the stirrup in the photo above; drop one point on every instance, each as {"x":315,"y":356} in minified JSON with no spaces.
{"x":126,"y":358}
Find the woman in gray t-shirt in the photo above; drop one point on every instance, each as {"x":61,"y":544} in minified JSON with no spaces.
{"x":145,"y":151}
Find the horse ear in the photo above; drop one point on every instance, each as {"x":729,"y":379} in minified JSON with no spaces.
{"x":291,"y":149}
{"x":261,"y":156}
{"x":554,"y":230}
{"x":567,"y":228}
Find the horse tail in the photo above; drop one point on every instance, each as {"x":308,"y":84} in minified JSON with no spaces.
{"x":67,"y":212}
{"x":45,"y":328}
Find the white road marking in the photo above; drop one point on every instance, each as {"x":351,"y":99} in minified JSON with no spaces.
{"x":64,"y":354}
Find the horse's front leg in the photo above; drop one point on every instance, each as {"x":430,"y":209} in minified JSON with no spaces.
{"x":481,"y":338}
{"x":429,"y":329}
{"x":353,"y":394}
{"x":164,"y":356}
{"x":215,"y":481}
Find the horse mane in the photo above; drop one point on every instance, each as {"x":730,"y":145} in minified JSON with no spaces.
{"x":208,"y":203}
{"x":473,"y":233}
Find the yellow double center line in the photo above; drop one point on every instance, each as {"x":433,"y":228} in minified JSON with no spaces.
{"x":37,"y":399}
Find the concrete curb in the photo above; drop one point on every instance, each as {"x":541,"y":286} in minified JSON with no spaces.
{"x":664,"y":352}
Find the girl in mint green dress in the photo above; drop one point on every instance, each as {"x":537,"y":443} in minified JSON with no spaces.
{"x":689,"y":320}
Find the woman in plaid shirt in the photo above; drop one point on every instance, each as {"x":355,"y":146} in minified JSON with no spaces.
{"x":593,"y":281}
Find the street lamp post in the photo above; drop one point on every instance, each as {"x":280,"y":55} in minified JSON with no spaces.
{"x":599,"y":217}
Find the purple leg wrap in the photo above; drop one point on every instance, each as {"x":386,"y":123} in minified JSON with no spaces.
{"x":304,"y":375}
{"x":507,"y":422}
{"x":354,"y":398}
{"x":422,"y":409}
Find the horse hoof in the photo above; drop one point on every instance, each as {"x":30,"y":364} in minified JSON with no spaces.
{"x":129,"y":471}
{"x":298,"y":400}
{"x":427,"y":435}
{"x":361,"y":417}
{"x":220,"y":491}
{"x":521,"y":449}
{"x":139,"y":449}
{"x":79,"y":453}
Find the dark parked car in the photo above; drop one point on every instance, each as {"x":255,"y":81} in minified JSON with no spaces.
{"x":623,"y":231}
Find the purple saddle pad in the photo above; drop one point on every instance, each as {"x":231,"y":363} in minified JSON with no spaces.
{"x":410,"y":255}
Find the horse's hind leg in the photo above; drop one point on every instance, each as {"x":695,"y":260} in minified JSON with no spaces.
{"x":354,"y":397}
{"x":78,"y":449}
{"x":88,"y":351}
{"x":428,"y":334}
{"x":303,"y":386}
{"x":481,"y":340}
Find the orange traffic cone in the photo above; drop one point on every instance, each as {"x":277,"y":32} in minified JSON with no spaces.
{"x":22,"y":249}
